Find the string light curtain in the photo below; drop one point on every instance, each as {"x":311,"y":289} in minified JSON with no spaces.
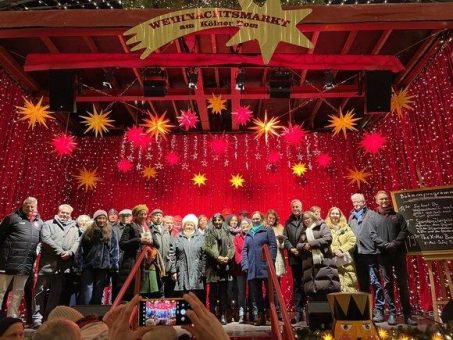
{"x":418,"y":142}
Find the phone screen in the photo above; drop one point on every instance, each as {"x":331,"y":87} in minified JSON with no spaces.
{"x":169,"y":312}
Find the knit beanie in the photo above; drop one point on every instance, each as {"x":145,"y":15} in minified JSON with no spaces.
{"x":99,"y":213}
{"x":65,"y":312}
{"x":139,"y":208}
{"x":190,"y":218}
{"x":6,"y":323}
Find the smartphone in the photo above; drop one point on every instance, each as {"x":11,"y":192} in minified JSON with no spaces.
{"x":168,"y":312}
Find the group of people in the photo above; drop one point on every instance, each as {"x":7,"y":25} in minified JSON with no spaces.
{"x":225,"y":253}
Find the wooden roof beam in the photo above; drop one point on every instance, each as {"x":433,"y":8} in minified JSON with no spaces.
{"x":314,"y":41}
{"x":16,"y":71}
{"x":200,"y":98}
{"x":235,"y":96}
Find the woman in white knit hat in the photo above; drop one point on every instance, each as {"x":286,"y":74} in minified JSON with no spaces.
{"x":188,"y":259}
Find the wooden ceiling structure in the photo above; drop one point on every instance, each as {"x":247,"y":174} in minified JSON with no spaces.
{"x":91,"y":42}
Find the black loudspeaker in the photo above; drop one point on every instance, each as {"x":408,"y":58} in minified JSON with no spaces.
{"x":62,"y":86}
{"x":319,"y":316}
{"x":279,"y":88}
{"x":378,"y":91}
{"x":154,"y":88}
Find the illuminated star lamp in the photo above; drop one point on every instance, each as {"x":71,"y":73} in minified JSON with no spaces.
{"x":35,"y":114}
{"x":98,"y":122}
{"x":400,"y":101}
{"x":266,"y":127}
{"x":242,"y":115}
{"x":188,"y":119}
{"x":137,"y":137}
{"x":373,"y":142}
{"x":237,"y":181}
{"x":87,"y":178}
{"x":63,"y":144}
{"x":157,"y":126}
{"x":299,"y":169}
{"x":274,"y":157}
{"x":199,"y":179}
{"x":343,"y":122}
{"x":149,"y":172}
{"x":124,"y":165}
{"x":293,"y":134}
{"x":357,"y":176}
{"x":324,"y":160}
{"x":216,"y":104}
{"x":219,"y":145}
{"x":172,"y":158}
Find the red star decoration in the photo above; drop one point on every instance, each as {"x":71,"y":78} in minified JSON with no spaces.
{"x":172,"y":158}
{"x":293,"y":134}
{"x":188,"y":119}
{"x":219,"y":145}
{"x":373,"y":142}
{"x":124,"y":165}
{"x":63,"y":145}
{"x":242,"y":115}
{"x":324,"y":160}
{"x":274,"y":157}
{"x":137,"y":137}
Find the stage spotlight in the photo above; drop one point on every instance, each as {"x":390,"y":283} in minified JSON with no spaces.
{"x":280,"y":82}
{"x":193,"y":80}
{"x":240,"y":81}
{"x":328,"y":80}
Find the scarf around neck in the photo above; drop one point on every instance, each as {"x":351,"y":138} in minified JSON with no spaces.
{"x":385,"y":211}
{"x":315,"y":253}
{"x":255,"y":229}
{"x":359,"y":214}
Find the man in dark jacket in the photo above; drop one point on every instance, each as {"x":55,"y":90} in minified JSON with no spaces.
{"x":291,"y":235}
{"x":59,"y":243}
{"x":362,"y":220}
{"x":19,"y":238}
{"x":389,"y":236}
{"x":163,"y":240}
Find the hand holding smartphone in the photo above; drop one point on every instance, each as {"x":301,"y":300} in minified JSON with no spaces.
{"x":168,"y":312}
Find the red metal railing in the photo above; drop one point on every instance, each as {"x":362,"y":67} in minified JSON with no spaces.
{"x":273,"y":285}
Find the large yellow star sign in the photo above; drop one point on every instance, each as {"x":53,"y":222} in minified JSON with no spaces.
{"x":269,"y":24}
{"x":278,"y":25}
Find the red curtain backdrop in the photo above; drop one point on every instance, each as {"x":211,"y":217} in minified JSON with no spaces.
{"x":419,"y":142}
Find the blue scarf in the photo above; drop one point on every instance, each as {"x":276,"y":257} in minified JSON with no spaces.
{"x":359,"y":215}
{"x":255,"y":229}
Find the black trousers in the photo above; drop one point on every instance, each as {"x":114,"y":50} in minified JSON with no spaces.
{"x":218,"y":290}
{"x":298,"y":289}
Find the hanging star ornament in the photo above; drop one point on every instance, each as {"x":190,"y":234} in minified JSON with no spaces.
{"x":324,"y":160}
{"x":373,"y":142}
{"x":357,"y":176}
{"x":124,"y":165}
{"x":266,"y":127}
{"x":87,"y":178}
{"x":99,"y":122}
{"x":219,"y":145}
{"x":157,"y":126}
{"x":188,"y":119}
{"x":149,"y":172}
{"x":63,"y":144}
{"x":242,"y":115}
{"x":172,"y":158}
{"x":274,"y":157}
{"x":35,"y":114}
{"x":400,"y":101}
{"x":293,"y":134}
{"x":343,"y":122}
{"x":268,"y":36}
{"x":216,"y":104}
{"x":299,"y":169}
{"x":237,"y":181}
{"x":199,"y":179}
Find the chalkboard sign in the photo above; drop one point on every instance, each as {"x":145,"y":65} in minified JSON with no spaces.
{"x":429,"y":215}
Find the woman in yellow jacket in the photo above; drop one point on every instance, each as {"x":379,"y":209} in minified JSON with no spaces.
{"x":343,"y":244}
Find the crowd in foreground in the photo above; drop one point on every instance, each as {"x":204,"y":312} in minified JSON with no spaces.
{"x":78,"y":259}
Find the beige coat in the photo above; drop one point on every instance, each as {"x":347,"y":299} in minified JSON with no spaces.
{"x":280,"y":268}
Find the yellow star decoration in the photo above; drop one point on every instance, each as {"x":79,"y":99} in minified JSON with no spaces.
{"x":268,"y":24}
{"x":199,"y":179}
{"x":437,"y":337}
{"x":237,"y":181}
{"x":343,"y":122}
{"x":299,"y":169}
{"x":149,"y":172}
{"x":99,"y":122}
{"x":357,"y":176}
{"x":270,"y":35}
{"x":217,"y":104}
{"x":401,"y":100}
{"x":266,"y":127}
{"x":157,"y":126}
{"x":87,"y":178}
{"x":34,"y":113}
{"x":383,"y":334}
